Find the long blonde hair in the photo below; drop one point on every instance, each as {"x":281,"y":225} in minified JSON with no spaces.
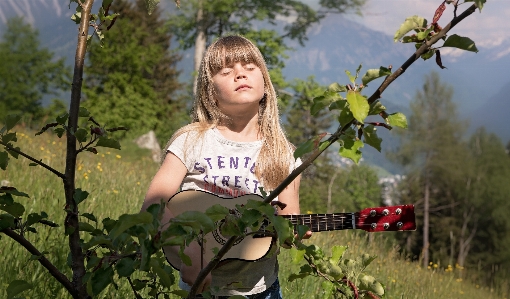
{"x":275,"y":157}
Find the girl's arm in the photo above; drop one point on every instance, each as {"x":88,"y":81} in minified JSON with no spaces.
{"x":290,"y":197}
{"x":164,"y":185}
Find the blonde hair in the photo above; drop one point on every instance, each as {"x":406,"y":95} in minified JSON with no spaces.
{"x":274,"y":160}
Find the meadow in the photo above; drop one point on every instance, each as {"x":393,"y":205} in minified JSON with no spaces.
{"x":117,"y":181}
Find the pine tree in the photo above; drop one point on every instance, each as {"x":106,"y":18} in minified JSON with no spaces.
{"x":432,"y":150}
{"x":131,"y":80}
{"x":28,"y":72}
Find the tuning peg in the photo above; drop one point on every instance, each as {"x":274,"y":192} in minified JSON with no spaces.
{"x":385,"y":212}
{"x":386,"y":225}
{"x":399,"y":225}
{"x":398,"y":211}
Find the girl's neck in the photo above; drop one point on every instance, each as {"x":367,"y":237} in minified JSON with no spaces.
{"x":240,"y":129}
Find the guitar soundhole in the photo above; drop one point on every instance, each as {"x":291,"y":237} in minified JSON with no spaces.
{"x":219,"y":237}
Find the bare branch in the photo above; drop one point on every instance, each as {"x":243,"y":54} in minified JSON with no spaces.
{"x":10,"y":148}
{"x":42,"y":259}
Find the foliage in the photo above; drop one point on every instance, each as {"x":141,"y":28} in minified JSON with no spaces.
{"x":28,"y":72}
{"x":103,"y":250}
{"x":131,"y":77}
{"x":198,"y":22}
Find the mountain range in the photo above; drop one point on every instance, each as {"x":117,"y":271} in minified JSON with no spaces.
{"x":480,"y":80}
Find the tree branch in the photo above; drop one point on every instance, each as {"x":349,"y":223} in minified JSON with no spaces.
{"x":375,"y":96}
{"x":42,"y":259}
{"x":10,"y":148}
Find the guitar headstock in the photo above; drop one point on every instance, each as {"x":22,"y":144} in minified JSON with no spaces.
{"x":393,"y":218}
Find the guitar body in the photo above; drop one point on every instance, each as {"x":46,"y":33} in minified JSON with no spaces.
{"x":249,"y":249}
{"x":255,"y":246}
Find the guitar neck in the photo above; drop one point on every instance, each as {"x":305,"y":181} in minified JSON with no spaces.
{"x":324,"y":222}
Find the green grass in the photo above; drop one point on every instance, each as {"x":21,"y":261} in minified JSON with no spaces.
{"x":117,"y":182}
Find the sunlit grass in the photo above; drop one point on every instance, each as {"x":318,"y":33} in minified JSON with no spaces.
{"x":117,"y":182}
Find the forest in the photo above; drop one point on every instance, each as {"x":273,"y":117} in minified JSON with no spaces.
{"x":457,"y":181}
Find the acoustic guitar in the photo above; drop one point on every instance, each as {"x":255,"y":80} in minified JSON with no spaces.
{"x":256,"y":246}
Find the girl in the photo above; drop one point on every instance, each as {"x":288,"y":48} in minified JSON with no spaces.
{"x":234,"y":146}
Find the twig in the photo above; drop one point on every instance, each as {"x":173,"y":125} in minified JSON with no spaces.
{"x":41,"y":258}
{"x":133,"y":288}
{"x":375,"y":96}
{"x":56,"y":172}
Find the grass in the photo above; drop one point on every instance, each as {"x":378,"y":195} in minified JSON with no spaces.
{"x":117,"y":182}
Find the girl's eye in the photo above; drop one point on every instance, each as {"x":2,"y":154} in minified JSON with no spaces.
{"x":225,"y":71}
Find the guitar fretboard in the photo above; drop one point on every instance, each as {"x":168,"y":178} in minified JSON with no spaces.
{"x":324,"y":222}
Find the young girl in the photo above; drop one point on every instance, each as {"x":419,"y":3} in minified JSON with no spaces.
{"x":234,"y":146}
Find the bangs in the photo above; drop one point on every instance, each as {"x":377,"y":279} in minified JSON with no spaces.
{"x":233,"y":49}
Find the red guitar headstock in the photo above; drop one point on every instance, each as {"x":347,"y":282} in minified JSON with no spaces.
{"x":394,"y":218}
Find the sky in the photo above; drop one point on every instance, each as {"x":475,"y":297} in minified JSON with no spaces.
{"x":489,"y":29}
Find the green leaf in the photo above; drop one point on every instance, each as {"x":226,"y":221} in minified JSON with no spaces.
{"x":4,"y":160}
{"x":81,"y":135}
{"x":101,"y":279}
{"x":350,"y":150}
{"x":83,"y":112}
{"x":80,"y":195}
{"x":9,"y":137}
{"x":6,"y":221}
{"x":411,"y":23}
{"x":337,"y":87}
{"x":85,"y":227}
{"x":15,"y":209}
{"x":10,"y":121}
{"x":297,"y":255}
{"x":373,"y":74}
{"x":59,"y":132}
{"x":13,"y":191}
{"x":128,"y":220}
{"x":324,"y":101}
{"x":460,"y":42}
{"x":397,"y":119}
{"x":284,"y":229}
{"x":479,"y":3}
{"x":367,"y":282}
{"x":371,"y":138}
{"x":107,"y":142}
{"x":125,"y":267}
{"x":358,"y":105}
{"x":376,"y":108}
{"x":16,"y":287}
{"x":351,"y":77}
{"x":89,"y":216}
{"x":61,"y":119}
{"x":428,"y":54}
{"x":217,"y":212}
{"x":338,"y":252}
{"x":196,"y":220}
{"x":164,"y":278}
{"x":33,"y":218}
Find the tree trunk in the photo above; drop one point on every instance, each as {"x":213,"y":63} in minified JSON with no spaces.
{"x":465,"y":241}
{"x":71,"y":221}
{"x":426,"y":208}
{"x":199,"y":43}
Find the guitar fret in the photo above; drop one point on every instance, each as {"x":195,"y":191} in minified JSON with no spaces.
{"x":323,"y":222}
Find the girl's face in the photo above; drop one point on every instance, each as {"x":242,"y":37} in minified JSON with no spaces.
{"x":239,"y":88}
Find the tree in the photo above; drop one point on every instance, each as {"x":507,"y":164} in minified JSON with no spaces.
{"x":431,"y":149}
{"x":199,"y":21}
{"x":92,"y":263}
{"x":131,"y":77}
{"x":28,"y":72}
{"x":483,"y":211}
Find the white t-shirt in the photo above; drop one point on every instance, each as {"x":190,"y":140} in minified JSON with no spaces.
{"x":226,"y":168}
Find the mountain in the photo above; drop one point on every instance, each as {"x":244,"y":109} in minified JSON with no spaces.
{"x":493,"y":114}
{"x":480,"y":80}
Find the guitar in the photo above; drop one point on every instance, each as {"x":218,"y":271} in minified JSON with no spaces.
{"x":256,"y":246}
